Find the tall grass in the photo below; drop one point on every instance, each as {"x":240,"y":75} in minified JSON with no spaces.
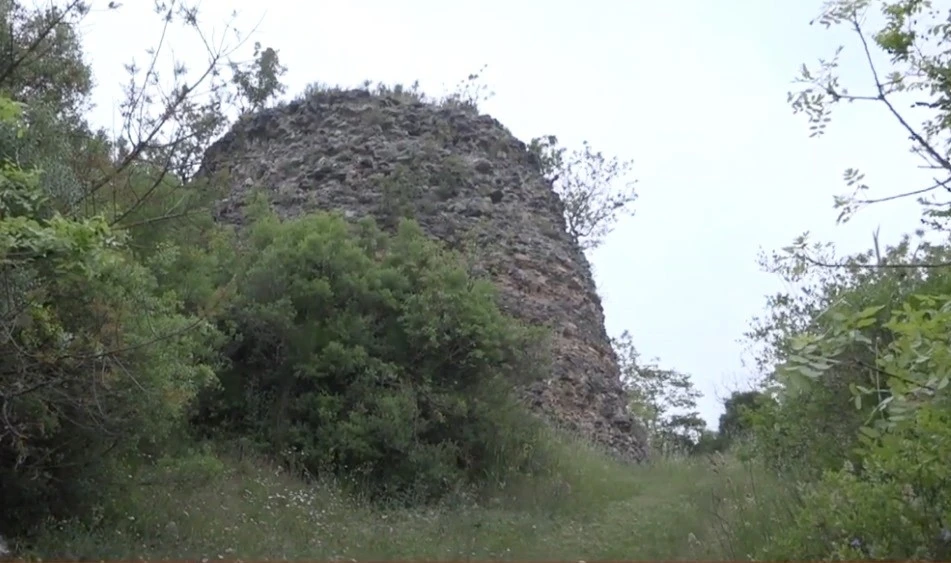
{"x":227,"y":506}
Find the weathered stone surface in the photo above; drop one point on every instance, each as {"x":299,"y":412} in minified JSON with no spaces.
{"x":468,"y":182}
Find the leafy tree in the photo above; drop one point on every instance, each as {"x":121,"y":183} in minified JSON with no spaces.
{"x":97,"y":359}
{"x":665,"y":400}
{"x":895,"y":506}
{"x":683,"y":432}
{"x":710,"y":442}
{"x":260,"y":83}
{"x":168,"y":117}
{"x":42,"y":57}
{"x":876,"y":335}
{"x":919,"y":68}
{"x":104,"y":343}
{"x":915,"y":36}
{"x":811,"y":424}
{"x":735,"y":422}
{"x":585,"y":182}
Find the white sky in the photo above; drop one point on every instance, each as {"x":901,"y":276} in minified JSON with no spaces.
{"x":694,"y":92}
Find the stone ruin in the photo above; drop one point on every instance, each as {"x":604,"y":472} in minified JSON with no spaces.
{"x":469,"y":183}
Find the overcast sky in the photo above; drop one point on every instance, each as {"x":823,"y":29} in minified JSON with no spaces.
{"x":694,"y":92}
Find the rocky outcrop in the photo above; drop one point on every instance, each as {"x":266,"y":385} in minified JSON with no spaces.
{"x":468,"y":182}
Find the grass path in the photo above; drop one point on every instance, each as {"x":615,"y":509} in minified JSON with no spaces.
{"x":589,"y":508}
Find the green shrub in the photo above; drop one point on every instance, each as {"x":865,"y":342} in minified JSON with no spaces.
{"x":372,"y":356}
{"x":895,"y":506}
{"x":97,"y":362}
{"x":807,"y":433}
{"x":824,"y":342}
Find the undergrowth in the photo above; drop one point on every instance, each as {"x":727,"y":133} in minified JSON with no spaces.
{"x":230,"y":504}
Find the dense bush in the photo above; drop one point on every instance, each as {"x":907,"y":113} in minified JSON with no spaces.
{"x":739,"y":411}
{"x":364,"y":354}
{"x":862,"y":357}
{"x":895,"y":506}
{"x":861,"y":417}
{"x":808,"y":431}
{"x":95,"y":357}
{"x":814,"y":424}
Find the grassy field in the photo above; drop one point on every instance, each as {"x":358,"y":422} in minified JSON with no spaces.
{"x":225,"y":507}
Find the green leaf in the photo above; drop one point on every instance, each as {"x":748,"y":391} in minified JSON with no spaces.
{"x":807,"y":371}
{"x":798,"y":343}
{"x":870,"y":311}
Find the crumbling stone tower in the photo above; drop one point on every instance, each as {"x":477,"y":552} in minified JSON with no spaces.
{"x":468,"y":182}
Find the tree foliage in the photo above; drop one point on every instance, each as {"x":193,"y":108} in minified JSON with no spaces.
{"x":261,"y":83}
{"x":664,"y":400}
{"x":97,"y":358}
{"x":360,"y":354}
{"x":101,"y":360}
{"x":857,"y":358}
{"x":735,"y":423}
{"x":594,"y":189}
{"x":914,"y":36}
{"x":586,"y":183}
{"x":42,"y":57}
